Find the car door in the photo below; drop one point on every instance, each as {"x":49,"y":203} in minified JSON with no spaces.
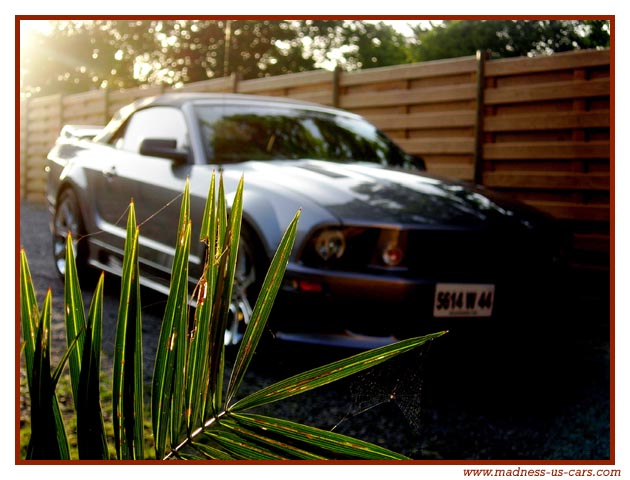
{"x":153,"y":183}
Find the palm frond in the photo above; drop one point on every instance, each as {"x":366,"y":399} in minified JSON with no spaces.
{"x":74,"y":317}
{"x":334,"y":444}
{"x":92,"y":440}
{"x":326,"y":374}
{"x":262,"y":309}
{"x":169,"y":372}
{"x":127,"y":382}
{"x":48,"y":437}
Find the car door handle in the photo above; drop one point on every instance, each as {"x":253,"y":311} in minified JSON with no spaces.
{"x":110,"y":174}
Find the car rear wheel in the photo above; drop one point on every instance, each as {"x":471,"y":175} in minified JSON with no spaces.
{"x":68,"y":219}
{"x":247,"y":280}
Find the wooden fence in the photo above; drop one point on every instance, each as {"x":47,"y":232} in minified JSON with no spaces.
{"x":536,"y":128}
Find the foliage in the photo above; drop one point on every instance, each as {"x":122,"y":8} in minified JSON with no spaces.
{"x":196,"y":412}
{"x":508,"y":38}
{"x":79,"y":55}
{"x":75,"y":56}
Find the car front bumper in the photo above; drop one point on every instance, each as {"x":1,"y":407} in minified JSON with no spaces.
{"x":366,"y":310}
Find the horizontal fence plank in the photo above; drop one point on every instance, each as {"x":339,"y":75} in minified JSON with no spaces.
{"x":90,"y":97}
{"x":44,"y":102}
{"x":323,"y":97}
{"x":572,"y":211}
{"x":591,"y":242}
{"x":462,"y":171}
{"x":442,"y":146}
{"x":127,"y":96}
{"x":35,"y":160}
{"x":435,"y":68}
{"x":42,"y":137}
{"x":215,"y":85}
{"x":546,"y":121}
{"x":423,"y":120}
{"x":291,"y":80}
{"x":83,"y":110}
{"x":547,"y":180}
{"x":93,"y":118}
{"x":87,"y":120}
{"x":37,"y":151}
{"x":558,"y":61}
{"x":546,"y":150}
{"x":548,"y":91}
{"x":35,"y":184}
{"x":47,"y":112}
{"x":409,"y":97}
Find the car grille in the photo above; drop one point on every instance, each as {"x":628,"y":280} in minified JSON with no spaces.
{"x":478,"y":255}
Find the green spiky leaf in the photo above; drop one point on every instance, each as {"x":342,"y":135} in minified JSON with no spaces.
{"x":48,"y":437}
{"x":29,"y":315}
{"x":241,"y":448}
{"x":92,"y":440}
{"x":168,"y":378}
{"x":338,"y":446}
{"x":262,"y":309}
{"x":211,"y":453}
{"x":199,"y":348}
{"x":220,"y":305}
{"x":326,"y":374}
{"x":261,"y":436}
{"x":127,"y":381}
{"x":74,"y":317}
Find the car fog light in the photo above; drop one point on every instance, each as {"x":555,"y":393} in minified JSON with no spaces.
{"x":392,"y":255}
{"x":330,"y":244}
{"x":308,"y":286}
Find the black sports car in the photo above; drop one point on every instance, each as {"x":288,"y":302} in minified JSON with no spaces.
{"x":384,"y":250}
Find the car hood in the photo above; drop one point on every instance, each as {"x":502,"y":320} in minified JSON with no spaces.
{"x":363,"y":193}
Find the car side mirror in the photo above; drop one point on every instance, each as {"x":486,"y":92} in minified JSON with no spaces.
{"x":163,"y":148}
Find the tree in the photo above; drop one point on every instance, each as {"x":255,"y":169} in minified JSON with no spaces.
{"x":375,"y":45}
{"x":508,"y":38}
{"x":76,"y":56}
{"x":191,"y":51}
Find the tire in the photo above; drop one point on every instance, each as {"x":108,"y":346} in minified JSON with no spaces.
{"x":68,"y":219}
{"x":248,"y":276}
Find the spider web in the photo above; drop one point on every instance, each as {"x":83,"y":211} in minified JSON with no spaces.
{"x":398,"y":381}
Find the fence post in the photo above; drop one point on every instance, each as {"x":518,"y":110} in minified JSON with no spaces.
{"x":236,"y":78}
{"x":478,"y":155}
{"x":336,"y":80}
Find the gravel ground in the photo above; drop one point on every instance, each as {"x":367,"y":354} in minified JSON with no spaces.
{"x":455,"y":399}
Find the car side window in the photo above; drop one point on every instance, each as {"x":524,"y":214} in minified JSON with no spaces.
{"x":154,"y":122}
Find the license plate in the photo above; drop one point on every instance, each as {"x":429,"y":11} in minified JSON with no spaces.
{"x":463,"y":300}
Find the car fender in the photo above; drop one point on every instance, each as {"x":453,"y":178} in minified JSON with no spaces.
{"x":270,"y":215}
{"x":73,"y":176}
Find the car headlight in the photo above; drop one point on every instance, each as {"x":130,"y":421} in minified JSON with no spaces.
{"x":330,"y":244}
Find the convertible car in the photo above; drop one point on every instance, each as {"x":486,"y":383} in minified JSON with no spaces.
{"x":384,"y":249}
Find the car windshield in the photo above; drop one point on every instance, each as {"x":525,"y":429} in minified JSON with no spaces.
{"x":239,"y":133}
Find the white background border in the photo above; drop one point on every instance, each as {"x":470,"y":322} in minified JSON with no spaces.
{"x":618,"y":8}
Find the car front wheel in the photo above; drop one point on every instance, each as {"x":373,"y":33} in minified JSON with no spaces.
{"x":246,"y":287}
